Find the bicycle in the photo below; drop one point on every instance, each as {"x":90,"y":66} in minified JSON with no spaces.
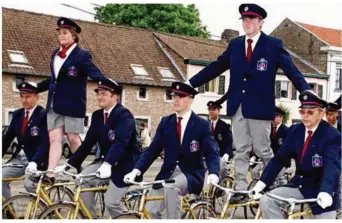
{"x":30,"y":205}
{"x":289,"y":206}
{"x":229,"y":192}
{"x":76,"y":209}
{"x":12,"y":179}
{"x":143,"y":213}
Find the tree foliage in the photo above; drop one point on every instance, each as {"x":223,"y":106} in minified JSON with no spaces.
{"x":169,"y":18}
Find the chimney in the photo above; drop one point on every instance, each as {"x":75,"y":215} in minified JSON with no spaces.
{"x":229,"y":34}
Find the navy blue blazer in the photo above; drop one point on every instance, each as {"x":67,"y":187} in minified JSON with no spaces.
{"x":117,"y":140}
{"x":252,"y":83}
{"x":67,"y":92}
{"x":224,"y":138}
{"x":321,"y":166}
{"x":35,"y":141}
{"x":197,"y":143}
{"x":280,"y":137}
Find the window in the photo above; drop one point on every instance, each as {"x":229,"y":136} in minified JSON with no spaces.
{"x":139,"y":120}
{"x":142,"y":94}
{"x":165,"y":72}
{"x":216,"y":85}
{"x":281,"y":89}
{"x":168,"y":94}
{"x":294,"y":93}
{"x":338,"y":81}
{"x":16,"y":82}
{"x":17,"y":57}
{"x":9,"y":118}
{"x":139,"y":70}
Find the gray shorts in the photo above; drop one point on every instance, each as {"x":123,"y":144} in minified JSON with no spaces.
{"x":71,"y":124}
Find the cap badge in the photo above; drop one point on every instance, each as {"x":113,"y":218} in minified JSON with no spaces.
{"x":62,"y":22}
{"x":23,"y":85}
{"x":177,"y":86}
{"x":246,"y":8}
{"x":305,"y":97}
{"x":99,"y":82}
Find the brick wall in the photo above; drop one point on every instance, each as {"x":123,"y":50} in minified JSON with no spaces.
{"x":301,"y":42}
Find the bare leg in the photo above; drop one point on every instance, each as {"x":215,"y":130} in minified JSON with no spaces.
{"x":74,"y":140}
{"x":55,"y":152}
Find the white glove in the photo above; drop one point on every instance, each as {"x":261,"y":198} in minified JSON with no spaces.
{"x":31,"y":168}
{"x":324,"y":200}
{"x":252,"y":160}
{"x":104,"y":171}
{"x":188,"y":83}
{"x":225,"y":157}
{"x":212,"y":178}
{"x":255,"y":192}
{"x":130,"y":177}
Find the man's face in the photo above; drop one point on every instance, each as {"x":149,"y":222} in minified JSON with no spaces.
{"x":277,"y":120}
{"x":311,"y":116}
{"x":213,"y":113}
{"x":331,"y":117}
{"x":29,"y":100}
{"x":105,"y":99}
{"x":252,"y":25}
{"x":181,"y":103}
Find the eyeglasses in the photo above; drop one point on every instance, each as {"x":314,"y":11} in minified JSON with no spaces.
{"x":309,"y":112}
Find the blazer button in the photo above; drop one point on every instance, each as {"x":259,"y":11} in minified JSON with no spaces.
{"x":177,"y":161}
{"x":22,"y":146}
{"x":301,"y":176}
{"x":244,"y":79}
{"x":300,"y":186}
{"x":243,"y":91}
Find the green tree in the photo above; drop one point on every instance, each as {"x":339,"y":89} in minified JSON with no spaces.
{"x":169,"y":18}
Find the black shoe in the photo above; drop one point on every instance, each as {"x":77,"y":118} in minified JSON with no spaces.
{"x":238,"y":198}
{"x":49,"y":180}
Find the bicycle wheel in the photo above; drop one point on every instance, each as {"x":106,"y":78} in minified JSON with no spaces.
{"x":132,"y":202}
{"x":17,"y":207}
{"x":128,"y":216}
{"x":61,"y":211}
{"x":218,"y":196}
{"x":200,"y":211}
{"x":252,"y":208}
{"x":99,"y":204}
{"x":58,"y":194}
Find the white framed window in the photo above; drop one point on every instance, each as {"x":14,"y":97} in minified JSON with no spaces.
{"x":9,"y":115}
{"x":214,"y":87}
{"x":139,"y":70}
{"x":142,"y":94}
{"x":142,"y":119}
{"x":17,"y":57}
{"x":16,"y":81}
{"x":167,"y":95}
{"x":165,"y":72}
{"x":338,"y":80}
{"x":282,"y":89}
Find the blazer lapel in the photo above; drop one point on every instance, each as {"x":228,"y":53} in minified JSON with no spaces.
{"x":300,"y":141}
{"x":188,"y":130}
{"x":69,"y":60}
{"x":52,"y":63}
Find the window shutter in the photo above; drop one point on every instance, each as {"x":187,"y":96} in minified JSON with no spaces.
{"x":277,"y":89}
{"x":222,"y":81}
{"x":294,"y":93}
{"x":320,"y":91}
{"x":201,"y":89}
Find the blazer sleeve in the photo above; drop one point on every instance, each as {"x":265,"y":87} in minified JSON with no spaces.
{"x":44,"y":85}
{"x":91,"y":70}
{"x":211,"y":150}
{"x":43,"y":149}
{"x":213,"y":70}
{"x":156,"y":146}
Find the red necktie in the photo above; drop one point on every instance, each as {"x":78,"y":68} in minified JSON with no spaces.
{"x":212,"y":127}
{"x":105,"y":117}
{"x":62,"y":53}
{"x":179,"y":130}
{"x":24,"y":123}
{"x":305,"y":146}
{"x":274,"y":131}
{"x":249,"y":49}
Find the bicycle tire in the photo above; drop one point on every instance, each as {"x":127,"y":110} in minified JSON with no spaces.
{"x":21,"y":198}
{"x":216,"y":195}
{"x":199,"y":211}
{"x":128,"y":216}
{"x":49,"y":213}
{"x":62,"y":194}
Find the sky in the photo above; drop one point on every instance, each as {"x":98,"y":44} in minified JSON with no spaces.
{"x":217,"y":15}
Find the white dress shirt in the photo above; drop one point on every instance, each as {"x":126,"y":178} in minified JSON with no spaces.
{"x":255,"y":40}
{"x":184,"y":122}
{"x":214,"y":123}
{"x":58,"y":61}
{"x":22,"y":153}
{"x":108,"y":111}
{"x":306,"y":132}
